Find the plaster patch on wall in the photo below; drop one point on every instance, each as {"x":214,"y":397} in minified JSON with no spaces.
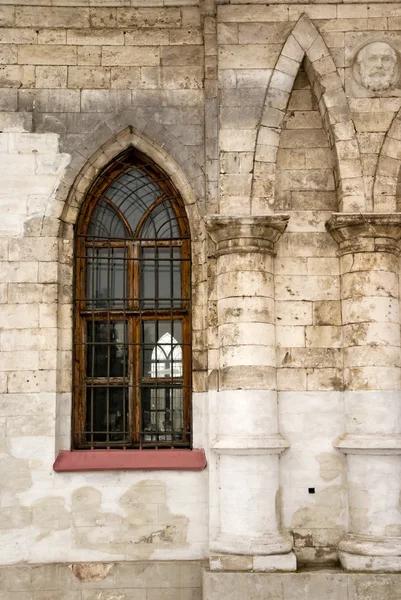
{"x":324,"y":513}
{"x":331,"y":465}
{"x":91,"y":571}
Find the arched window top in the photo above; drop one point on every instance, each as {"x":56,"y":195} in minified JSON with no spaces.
{"x":133,"y":199}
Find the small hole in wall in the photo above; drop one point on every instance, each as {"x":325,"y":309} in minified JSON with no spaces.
{"x":311,"y":490}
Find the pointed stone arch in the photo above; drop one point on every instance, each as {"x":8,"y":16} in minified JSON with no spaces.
{"x":388,"y":171}
{"x":110,"y":138}
{"x":305,"y":41}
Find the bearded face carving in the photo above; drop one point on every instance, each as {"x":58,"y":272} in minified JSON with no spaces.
{"x":377,"y":67}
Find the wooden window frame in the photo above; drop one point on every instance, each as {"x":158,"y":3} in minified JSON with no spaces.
{"x":133,"y":313}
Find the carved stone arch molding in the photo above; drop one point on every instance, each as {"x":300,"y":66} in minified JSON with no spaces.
{"x":306,"y":41}
{"x":388,"y":171}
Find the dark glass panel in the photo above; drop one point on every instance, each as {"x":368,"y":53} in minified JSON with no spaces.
{"x":105,"y":223}
{"x":107,"y":349}
{"x":106,"y":414}
{"x":133,"y":192}
{"x":162,"y":349}
{"x":162,"y":223}
{"x":161,"y":277}
{"x":106,"y":277}
{"x":162,"y":411}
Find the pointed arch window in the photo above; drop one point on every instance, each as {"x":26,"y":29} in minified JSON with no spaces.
{"x":132,"y":354}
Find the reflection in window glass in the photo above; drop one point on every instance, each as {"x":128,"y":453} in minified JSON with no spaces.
{"x":105,"y":223}
{"x":161,"y":223}
{"x":161,"y":277}
{"x":162,"y":349}
{"x":106,"y":414}
{"x":162,"y":413}
{"x":106,"y":277}
{"x":107,"y":350}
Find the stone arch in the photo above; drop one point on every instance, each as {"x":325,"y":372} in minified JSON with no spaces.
{"x":388,"y":171}
{"x":104,"y":144}
{"x":305,"y":41}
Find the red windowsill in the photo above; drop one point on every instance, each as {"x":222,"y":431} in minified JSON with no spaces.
{"x":130,"y":460}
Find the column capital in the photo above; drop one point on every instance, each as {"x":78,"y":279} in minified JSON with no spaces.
{"x":365,"y":232}
{"x":243,"y":234}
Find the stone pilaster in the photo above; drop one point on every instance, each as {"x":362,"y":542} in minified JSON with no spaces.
{"x":368,"y":249}
{"x":246,"y":437}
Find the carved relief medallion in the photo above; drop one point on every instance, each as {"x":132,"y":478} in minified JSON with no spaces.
{"x":377,"y":67}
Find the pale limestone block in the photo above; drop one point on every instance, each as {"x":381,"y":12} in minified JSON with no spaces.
{"x":364,"y":356}
{"x":18,"y":36}
{"x":312,"y":221}
{"x":26,"y":143}
{"x":293,"y":158}
{"x":258,"y":14}
{"x":318,"y":158}
{"x":231,"y":356}
{"x":347,"y":149}
{"x":287,"y":65}
{"x":26,"y":360}
{"x":227,"y":33}
{"x":290,"y":336}
{"x":28,"y":249}
{"x":19,"y":76}
{"x":9,"y":166}
{"x":323,"y":337}
{"x":305,"y":33}
{"x":323,"y":266}
{"x":318,"y":50}
{"x":237,"y":140}
{"x":7,"y":17}
{"x":48,"y":272}
{"x":278,"y":99}
{"x":282,"y":81}
{"x":325,"y":379}
{"x":311,"y":288}
{"x":227,"y":78}
{"x":255,"y":56}
{"x":132,"y":55}
{"x":52,"y":36}
{"x":19,"y":271}
{"x":314,"y":358}
{"x":254,"y":33}
{"x":8,"y":54}
{"x":238,"y":334}
{"x":374,"y":283}
{"x":19,"y":316}
{"x":91,"y":77}
{"x":383,"y":309}
{"x":312,"y":179}
{"x":47,"y":55}
{"x":35,"y":16}
{"x":29,"y":425}
{"x":372,"y":378}
{"x":313,"y":138}
{"x":291,"y":379}
{"x":89,"y":55}
{"x":272,"y":117}
{"x":366,"y":334}
{"x":29,"y":339}
{"x":291,"y":266}
{"x":300,"y":100}
{"x":257,"y":310}
{"x":303,"y":120}
{"x":181,"y":77}
{"x":51,"y":77}
{"x":293,"y":312}
{"x":93,"y":37}
{"x":148,"y":17}
{"x":236,"y":162}
{"x":372,"y":122}
{"x":306,"y":244}
{"x":292,"y":49}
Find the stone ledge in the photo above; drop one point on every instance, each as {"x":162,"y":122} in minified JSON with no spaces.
{"x":130,"y":460}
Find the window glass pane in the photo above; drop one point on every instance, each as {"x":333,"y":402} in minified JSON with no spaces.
{"x":105,"y":223}
{"x":162,"y":349}
{"x":106,"y":414}
{"x":161,"y":277}
{"x":162,"y":223}
{"x":162,"y":414}
{"x":106,"y":277}
{"x":107,"y":349}
{"x":133,"y":192}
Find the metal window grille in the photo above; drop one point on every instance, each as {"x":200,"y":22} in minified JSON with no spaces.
{"x":132,"y":307}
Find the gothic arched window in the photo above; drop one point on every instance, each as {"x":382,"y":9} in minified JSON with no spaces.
{"x":132,"y":375}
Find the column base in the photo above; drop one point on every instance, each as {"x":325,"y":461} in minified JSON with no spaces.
{"x":272,"y":563}
{"x":274,"y":543}
{"x":370,"y":553}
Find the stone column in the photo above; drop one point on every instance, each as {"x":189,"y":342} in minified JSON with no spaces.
{"x":246,"y":436}
{"x":368,"y":249}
